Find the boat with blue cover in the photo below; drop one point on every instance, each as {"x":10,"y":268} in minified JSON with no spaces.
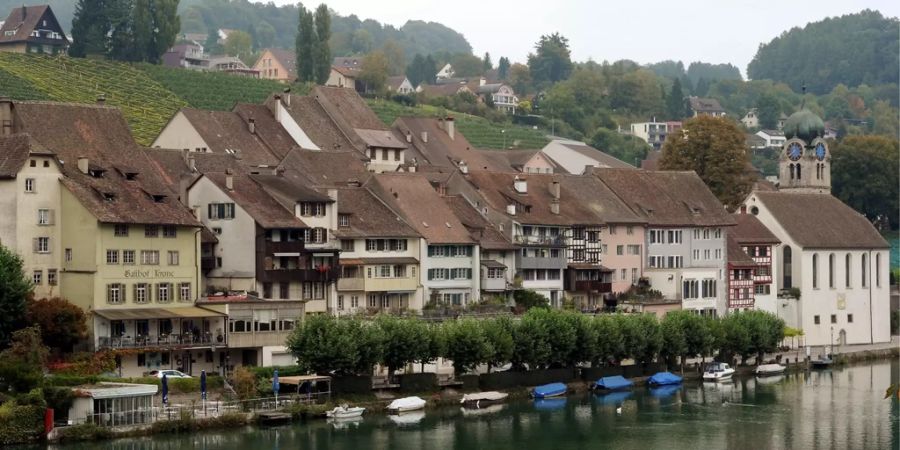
{"x":549,"y":390}
{"x":664,"y":379}
{"x":613,"y":383}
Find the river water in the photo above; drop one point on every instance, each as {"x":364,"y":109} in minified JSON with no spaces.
{"x":833,"y":409}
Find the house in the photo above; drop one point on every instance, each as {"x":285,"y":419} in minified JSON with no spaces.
{"x":705,"y":107}
{"x":773,"y":138}
{"x":501,"y":95}
{"x":400,"y":84}
{"x":352,"y":62}
{"x":574,"y":156}
{"x":527,"y":160}
{"x":188,"y":55}
{"x":112,"y":404}
{"x":685,"y":247}
{"x":435,"y":143}
{"x":230,"y":64}
{"x":750,"y":120}
{"x":756,"y":241}
{"x":755,"y":142}
{"x":33,"y":29}
{"x":343,"y":77}
{"x":831,"y":270}
{"x":653,"y":132}
{"x":379,"y":256}
{"x":445,"y":72}
{"x":443,"y":90}
{"x":126,"y":250}
{"x":277,"y":64}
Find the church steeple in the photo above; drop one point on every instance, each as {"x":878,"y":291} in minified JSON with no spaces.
{"x":805,"y":161}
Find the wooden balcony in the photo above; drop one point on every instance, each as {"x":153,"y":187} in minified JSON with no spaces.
{"x":328,"y":275}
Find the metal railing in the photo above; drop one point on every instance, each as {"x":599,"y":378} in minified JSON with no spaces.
{"x":171,"y":340}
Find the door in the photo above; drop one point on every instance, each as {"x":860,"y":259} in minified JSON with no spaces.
{"x":842,"y":338}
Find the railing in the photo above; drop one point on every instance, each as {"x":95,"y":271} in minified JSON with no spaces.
{"x":171,"y":340}
{"x":539,"y":240}
{"x":592,"y":285}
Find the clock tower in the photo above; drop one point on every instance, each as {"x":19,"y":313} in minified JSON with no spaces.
{"x":805,"y":160}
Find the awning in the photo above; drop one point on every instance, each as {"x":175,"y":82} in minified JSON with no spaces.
{"x":491,"y":264}
{"x":395,"y":260}
{"x":302,"y":379}
{"x":156,"y":313}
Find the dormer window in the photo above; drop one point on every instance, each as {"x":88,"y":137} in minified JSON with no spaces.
{"x":158,"y":198}
{"x":343,"y":220}
{"x":109,"y":196}
{"x":96,"y":172}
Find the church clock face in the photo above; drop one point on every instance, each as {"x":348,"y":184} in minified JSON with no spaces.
{"x":795,"y":151}
{"x":820,"y":151}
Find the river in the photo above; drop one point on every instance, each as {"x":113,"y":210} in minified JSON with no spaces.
{"x":833,"y":409}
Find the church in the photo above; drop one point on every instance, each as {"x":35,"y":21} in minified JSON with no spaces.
{"x":831,"y":271}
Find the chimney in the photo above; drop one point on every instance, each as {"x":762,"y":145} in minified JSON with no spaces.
{"x":229,"y":180}
{"x":237,"y":155}
{"x":101,"y":99}
{"x":463,"y":167}
{"x":24,"y":12}
{"x":83,"y":164}
{"x":481,"y":81}
{"x":279,"y":171}
{"x":408,"y":137}
{"x":511,"y":209}
{"x":451,"y":127}
{"x":425,"y":137}
{"x":554,"y":206}
{"x":287,"y":96}
{"x":192,"y":163}
{"x":5,"y":116}
{"x":251,"y":125}
{"x":554,"y":190}
{"x":520,"y":185}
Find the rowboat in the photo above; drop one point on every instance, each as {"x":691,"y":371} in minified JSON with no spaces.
{"x":345,"y":412}
{"x":663,"y":379}
{"x":549,"y":390}
{"x":479,"y":399}
{"x":718,"y":372}
{"x":769,"y":369}
{"x":406,"y":404}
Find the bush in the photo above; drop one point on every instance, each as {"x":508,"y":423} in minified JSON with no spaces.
{"x":84,"y":432}
{"x":20,"y":424}
{"x":527,"y":299}
{"x":244,"y":383}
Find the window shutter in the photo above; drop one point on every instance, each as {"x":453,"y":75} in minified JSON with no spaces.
{"x":51,"y":217}
{"x":430,"y":271}
{"x":34,"y":244}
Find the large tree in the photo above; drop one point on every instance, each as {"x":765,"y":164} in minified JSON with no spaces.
{"x":714,"y":148}
{"x":487,"y":64}
{"x":503,"y":68}
{"x":62,"y":323}
{"x":373,"y":71}
{"x":125,"y":30}
{"x":551,"y":60}
{"x":768,"y":110}
{"x":15,"y":288}
{"x":305,"y":45}
{"x":322,"y":52}
{"x":675,"y":101}
{"x":864,"y":174}
{"x":239,"y":44}
{"x":89,"y":28}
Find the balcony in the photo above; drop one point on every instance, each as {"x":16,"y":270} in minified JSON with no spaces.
{"x":391,"y":284}
{"x":284,"y":247}
{"x":493,"y":284}
{"x":548,"y":241}
{"x":163,"y":341}
{"x":530,"y":262}
{"x":326,"y":275}
{"x":257,"y":339}
{"x":592,"y":286}
{"x":351,"y":284}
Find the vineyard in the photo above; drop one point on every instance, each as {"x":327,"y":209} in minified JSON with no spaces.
{"x":480,"y":132}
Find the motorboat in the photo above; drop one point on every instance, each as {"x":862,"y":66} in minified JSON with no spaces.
{"x":479,"y":399}
{"x":823,"y":362}
{"x":664,"y":379}
{"x":613,"y":383}
{"x":718,"y":372}
{"x":345,"y":412}
{"x":549,"y":390}
{"x":769,"y":369}
{"x":406,"y":404}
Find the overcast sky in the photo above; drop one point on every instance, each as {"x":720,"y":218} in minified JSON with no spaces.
{"x":716,"y":31}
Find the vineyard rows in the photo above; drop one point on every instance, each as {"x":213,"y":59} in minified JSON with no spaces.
{"x":212,"y":91}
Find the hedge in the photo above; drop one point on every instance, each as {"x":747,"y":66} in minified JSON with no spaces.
{"x":20,"y":424}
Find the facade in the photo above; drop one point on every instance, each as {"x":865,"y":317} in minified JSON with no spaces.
{"x":773,"y":138}
{"x":705,"y":107}
{"x":445,"y":72}
{"x":112,"y":404}
{"x":501,"y":95}
{"x":342,"y":77}
{"x":277,"y":64}
{"x":757,"y":242}
{"x":751,"y":119}
{"x":400,"y":84}
{"x":653,"y":132}
{"x":33,"y":29}
{"x":187,"y":56}
{"x":230,"y":64}
{"x":574,"y":156}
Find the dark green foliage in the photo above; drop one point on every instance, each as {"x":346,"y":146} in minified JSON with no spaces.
{"x":125,"y":30}
{"x":526,"y":299}
{"x":852,"y":49}
{"x":712,"y":72}
{"x":404,"y":341}
{"x":551,"y":60}
{"x":421,"y":70}
{"x":627,"y":148}
{"x":322,"y":51}
{"x":89,"y":27}
{"x":466,"y":345}
{"x":499,"y":333}
{"x":503,"y":68}
{"x":768,"y":109}
{"x":20,"y":424}
{"x":15,"y":289}
{"x":305,"y":44}
{"x":675,"y":101}
{"x":22,"y":364}
{"x":486,"y":61}
{"x":864,"y":174}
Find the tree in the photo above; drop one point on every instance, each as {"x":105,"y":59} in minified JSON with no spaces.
{"x":551,"y":60}
{"x":244,"y":383}
{"x":610,"y":346}
{"x":89,"y":28}
{"x":322,"y":51}
{"x":374,"y":71}
{"x":15,"y":288}
{"x":527,"y":299}
{"x":22,"y":364}
{"x":393,"y":53}
{"x":239,"y":44}
{"x":715,"y":149}
{"x":520,"y":78}
{"x":532,"y":344}
{"x":466,"y":345}
{"x":466,"y":65}
{"x":486,"y":63}
{"x":864,"y":174}
{"x":62,"y":323}
{"x":414,"y":71}
{"x":405,"y":341}
{"x":503,"y":68}
{"x":305,"y":45}
{"x":768,"y":110}
{"x":630,"y":149}
{"x":327,"y":344}
{"x":675,"y":101}
{"x":674,"y":338}
{"x":499,"y":334}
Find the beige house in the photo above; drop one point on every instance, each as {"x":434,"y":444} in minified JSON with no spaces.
{"x":343,"y":77}
{"x":32,"y":29}
{"x":277,"y":64}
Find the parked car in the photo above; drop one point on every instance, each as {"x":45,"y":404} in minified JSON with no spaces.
{"x":169,"y":374}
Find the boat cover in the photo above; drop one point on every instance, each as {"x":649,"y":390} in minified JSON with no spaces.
{"x":549,"y":390}
{"x":489,"y":396}
{"x":613,"y":383}
{"x":663,"y":378}
{"x":406,"y":403}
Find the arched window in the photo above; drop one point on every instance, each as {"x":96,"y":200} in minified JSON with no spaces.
{"x":792,"y":171}
{"x":786,"y":281}
{"x":831,"y":270}
{"x":815,"y":270}
{"x":798,"y":171}
{"x":848,"y":260}
{"x":878,"y":270}
{"x":863,"y":270}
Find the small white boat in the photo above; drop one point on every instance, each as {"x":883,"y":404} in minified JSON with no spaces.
{"x":408,"y":419}
{"x":345,"y":412}
{"x":769,"y":369}
{"x":479,"y":399}
{"x":406,"y":404}
{"x":718,"y":372}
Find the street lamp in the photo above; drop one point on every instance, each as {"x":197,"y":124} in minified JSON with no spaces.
{"x":503,"y":132}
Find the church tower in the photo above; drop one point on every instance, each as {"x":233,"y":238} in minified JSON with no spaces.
{"x":805,"y":161}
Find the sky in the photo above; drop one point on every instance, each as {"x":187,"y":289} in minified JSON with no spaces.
{"x":723,"y":31}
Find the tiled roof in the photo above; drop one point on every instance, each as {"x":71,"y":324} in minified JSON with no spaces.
{"x":497,"y":190}
{"x":700,"y":104}
{"x":23,"y":20}
{"x":227,"y":132}
{"x":289,"y":190}
{"x":603,"y":159}
{"x":325,"y":169}
{"x":261,"y":206}
{"x":440,"y":150}
{"x":736,"y":254}
{"x":395,"y":81}
{"x":369,"y":216}
{"x":379,"y":138}
{"x":315,"y":122}
{"x":666,"y":198}
{"x":346,"y":61}
{"x":346,"y":106}
{"x":593,"y":194}
{"x":14,"y":151}
{"x":268,"y":130}
{"x":749,"y":230}
{"x":413,"y":197}
{"x":481,"y":230}
{"x":820,"y":220}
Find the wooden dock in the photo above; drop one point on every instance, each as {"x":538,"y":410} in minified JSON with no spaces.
{"x":273,"y":417}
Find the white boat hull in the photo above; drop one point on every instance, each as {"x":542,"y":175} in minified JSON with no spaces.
{"x":770,"y":369}
{"x":406,"y":404}
{"x":345,"y":413}
{"x":718,"y":376}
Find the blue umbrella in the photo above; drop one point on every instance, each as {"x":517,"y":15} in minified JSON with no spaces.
{"x":275,"y":384}
{"x":165,"y":389}
{"x":203,"y":385}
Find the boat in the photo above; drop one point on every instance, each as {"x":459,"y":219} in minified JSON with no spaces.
{"x":664,"y":379}
{"x":550,"y":404}
{"x":549,"y":390}
{"x":613,"y":383}
{"x":823,"y":362}
{"x":408,"y":419}
{"x":406,"y":404}
{"x":769,"y":369}
{"x":613,"y":398}
{"x":718,"y":372}
{"x":479,"y":399}
{"x":345,"y":412}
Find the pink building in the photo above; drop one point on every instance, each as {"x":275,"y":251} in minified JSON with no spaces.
{"x":623,"y":253}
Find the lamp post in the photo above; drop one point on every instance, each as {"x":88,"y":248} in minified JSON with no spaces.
{"x":503,"y":132}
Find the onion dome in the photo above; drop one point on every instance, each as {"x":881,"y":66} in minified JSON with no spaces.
{"x":805,"y":125}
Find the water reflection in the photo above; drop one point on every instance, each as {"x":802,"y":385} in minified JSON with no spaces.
{"x":834,"y":409}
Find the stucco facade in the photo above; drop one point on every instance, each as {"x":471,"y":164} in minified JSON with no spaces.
{"x":379,"y":274}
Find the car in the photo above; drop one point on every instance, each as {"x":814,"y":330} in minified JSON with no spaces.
{"x":169,"y":374}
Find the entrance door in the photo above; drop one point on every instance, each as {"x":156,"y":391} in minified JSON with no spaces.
{"x":186,"y":362}
{"x":842,"y":338}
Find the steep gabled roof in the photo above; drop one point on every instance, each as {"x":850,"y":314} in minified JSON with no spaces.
{"x":23,"y":20}
{"x":413,"y":197}
{"x":441,"y":150}
{"x":749,"y":230}
{"x":820,"y":220}
{"x":736,"y":254}
{"x":369,"y":216}
{"x":226,"y":132}
{"x":481,"y":230}
{"x":14,"y":151}
{"x":289,"y":190}
{"x":325,"y":169}
{"x":314,"y":121}
{"x":603,"y":159}
{"x":592,"y":194}
{"x":261,"y":206}
{"x":701,"y":104}
{"x":268,"y":130}
{"x":347,"y":105}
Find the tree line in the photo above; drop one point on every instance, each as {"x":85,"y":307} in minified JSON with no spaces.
{"x":125,"y":30}
{"x":541,"y":338}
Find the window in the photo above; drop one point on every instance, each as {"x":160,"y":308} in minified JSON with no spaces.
{"x":706,"y":233}
{"x":29,"y":185}
{"x":150,"y":257}
{"x":354,"y":301}
{"x":45,"y":217}
{"x":384,"y":271}
{"x":718,"y":233}
{"x":815,"y":271}
{"x":437,"y":274}
{"x":634,"y":249}
{"x":310,"y":209}
{"x":112,"y":256}
{"x":612,"y":229}
{"x":634,"y":275}
{"x":593,"y":236}
{"x":816,"y":320}
{"x":173,"y":257}
{"x":696,"y":233}
{"x":657,"y":262}
{"x":718,"y":253}
{"x":674,"y":262}
{"x":786,"y":276}
{"x":307,"y":290}
{"x":578,"y":233}
{"x":674,"y":236}
{"x":114,"y":294}
{"x":708,"y":288}
{"x":831,"y":271}
{"x":878,"y":270}
{"x":120,"y":230}
{"x":343,"y":220}
{"x":629,"y":230}
{"x":706,"y":254}
{"x":68,"y":255}
{"x":141,"y":293}
{"x":347,"y":245}
{"x":657,"y":236}
{"x":151,"y":231}
{"x":163,"y":293}
{"x":620,"y":250}
{"x":184,"y":292}
{"x":834,"y":318}
{"x":127,"y":256}
{"x":863,"y":270}
{"x":267,"y":290}
{"x":399,"y":271}
{"x":690,"y":289}
{"x":169,"y":231}
{"x":42,"y":245}
{"x":624,"y":273}
{"x":340,"y":302}
{"x":51,"y":277}
{"x":848,"y":261}
{"x":762,"y":289}
{"x":220,"y":211}
{"x":38,"y":277}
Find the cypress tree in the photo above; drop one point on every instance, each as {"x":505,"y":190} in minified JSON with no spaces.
{"x":322,"y":52}
{"x":89,"y":27}
{"x":675,"y":101}
{"x":304,"y":45}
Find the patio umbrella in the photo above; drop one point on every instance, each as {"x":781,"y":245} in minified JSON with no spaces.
{"x":165,"y":390}
{"x":203,"y":385}
{"x":275,"y":385}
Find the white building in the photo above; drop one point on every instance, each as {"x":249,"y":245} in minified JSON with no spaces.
{"x":445,"y":72}
{"x":774,"y":138}
{"x":574,"y":156}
